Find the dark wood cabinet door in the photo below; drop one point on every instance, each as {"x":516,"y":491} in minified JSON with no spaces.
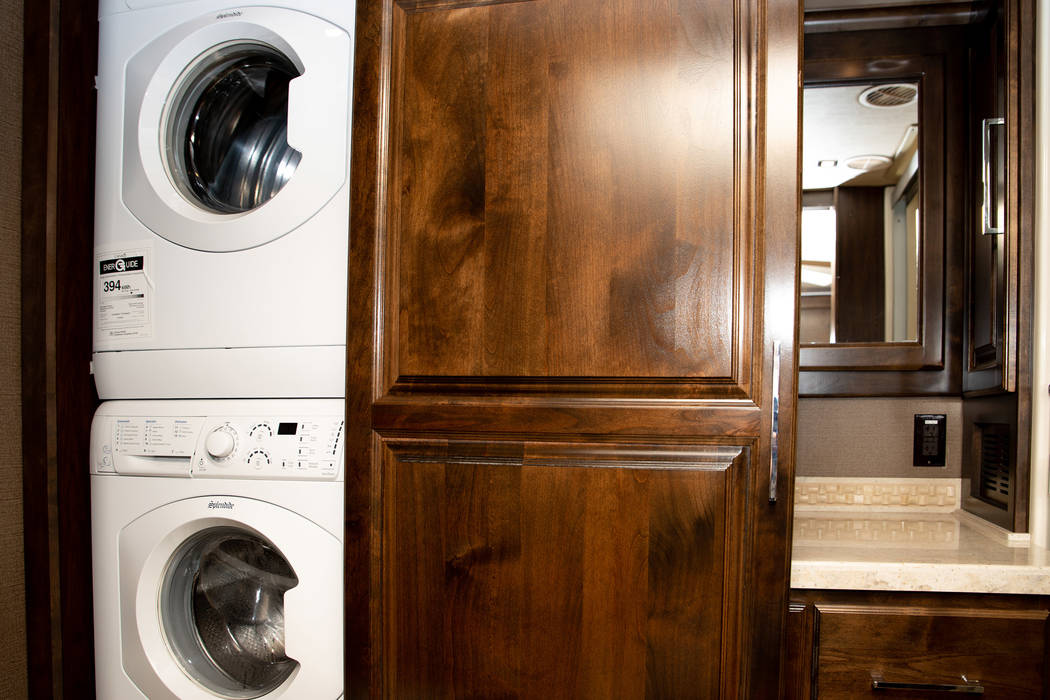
{"x":997,"y":368}
{"x":999,"y":250}
{"x":572,"y":262}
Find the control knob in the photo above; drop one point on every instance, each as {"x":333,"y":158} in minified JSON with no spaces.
{"x":221,"y":443}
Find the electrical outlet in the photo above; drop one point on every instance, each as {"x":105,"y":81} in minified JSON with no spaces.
{"x":930,"y":439}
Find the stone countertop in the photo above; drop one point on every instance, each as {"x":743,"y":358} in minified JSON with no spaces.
{"x":853,"y":547}
{"x":947,"y":552}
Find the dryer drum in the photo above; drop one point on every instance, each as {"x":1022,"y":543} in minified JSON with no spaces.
{"x":228,"y":144}
{"x":224,"y":612}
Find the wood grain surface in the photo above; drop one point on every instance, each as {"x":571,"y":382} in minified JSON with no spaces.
{"x":560,"y":571}
{"x":837,"y":640}
{"x":566,"y":186}
{"x":574,"y":247}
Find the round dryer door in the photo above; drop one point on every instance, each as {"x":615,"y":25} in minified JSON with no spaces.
{"x":222,"y":608}
{"x":227,"y":144}
{"x":237,"y":127}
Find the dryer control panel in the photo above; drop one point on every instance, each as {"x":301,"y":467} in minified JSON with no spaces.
{"x":260,"y":446}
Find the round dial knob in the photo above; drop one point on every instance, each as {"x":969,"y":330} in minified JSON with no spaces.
{"x":221,"y":443}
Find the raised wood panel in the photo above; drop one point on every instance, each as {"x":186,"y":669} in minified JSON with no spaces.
{"x":547,"y":570}
{"x":568,"y":197}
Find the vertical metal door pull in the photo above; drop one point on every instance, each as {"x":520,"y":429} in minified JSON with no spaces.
{"x":989,"y":207}
{"x":775,"y":428}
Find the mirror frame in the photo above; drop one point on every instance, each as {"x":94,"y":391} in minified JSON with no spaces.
{"x":928,"y":351}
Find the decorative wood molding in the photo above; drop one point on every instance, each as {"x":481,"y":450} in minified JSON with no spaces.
{"x":450,"y":449}
{"x":551,"y":417}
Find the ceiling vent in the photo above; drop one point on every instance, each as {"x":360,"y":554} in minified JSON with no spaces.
{"x":890,"y":95}
{"x":866,"y":163}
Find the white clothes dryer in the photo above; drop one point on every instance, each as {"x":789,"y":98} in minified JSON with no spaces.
{"x":222,"y":198}
{"x":217,"y":549}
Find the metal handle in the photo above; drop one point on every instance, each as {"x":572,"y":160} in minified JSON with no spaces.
{"x":775,"y":430}
{"x":989,"y":207}
{"x":969,"y":687}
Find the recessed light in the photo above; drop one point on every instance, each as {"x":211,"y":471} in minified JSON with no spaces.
{"x":867,"y":163}
{"x":827,"y":163}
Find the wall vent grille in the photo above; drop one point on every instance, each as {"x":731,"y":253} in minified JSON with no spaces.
{"x":995,"y":477}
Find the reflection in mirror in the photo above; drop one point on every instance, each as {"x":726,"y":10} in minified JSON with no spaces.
{"x":860,"y":214}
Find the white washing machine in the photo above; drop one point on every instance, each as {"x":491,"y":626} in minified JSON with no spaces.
{"x":217,"y":549}
{"x":222,"y":198}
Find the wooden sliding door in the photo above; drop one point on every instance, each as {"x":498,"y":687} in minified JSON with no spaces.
{"x":572,"y":264}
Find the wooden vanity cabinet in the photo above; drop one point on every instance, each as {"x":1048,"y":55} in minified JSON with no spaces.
{"x":917,"y":645}
{"x":1002,"y":181}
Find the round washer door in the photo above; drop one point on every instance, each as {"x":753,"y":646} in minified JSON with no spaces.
{"x":236,"y":127}
{"x":227,"y":597}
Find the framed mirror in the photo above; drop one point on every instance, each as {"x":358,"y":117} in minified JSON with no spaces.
{"x":872,"y":294}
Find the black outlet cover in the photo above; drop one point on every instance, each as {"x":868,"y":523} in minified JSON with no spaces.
{"x":930,"y":429}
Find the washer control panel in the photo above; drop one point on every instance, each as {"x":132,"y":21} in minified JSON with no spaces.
{"x":257,"y":446}
{"x":285,"y":446}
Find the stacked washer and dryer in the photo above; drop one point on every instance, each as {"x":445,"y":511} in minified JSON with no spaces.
{"x":221,"y":236}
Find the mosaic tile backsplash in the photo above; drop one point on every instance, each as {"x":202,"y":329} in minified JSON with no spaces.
{"x":938,"y":495}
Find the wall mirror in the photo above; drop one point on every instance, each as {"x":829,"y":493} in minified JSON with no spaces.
{"x":860,"y":213}
{"x":872,"y":225}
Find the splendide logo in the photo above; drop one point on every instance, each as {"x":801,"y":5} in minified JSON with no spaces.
{"x":225,"y":505}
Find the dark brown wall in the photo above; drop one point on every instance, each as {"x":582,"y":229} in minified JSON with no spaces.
{"x":12,"y":574}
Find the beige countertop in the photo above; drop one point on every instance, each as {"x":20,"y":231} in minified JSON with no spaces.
{"x":851,"y":546}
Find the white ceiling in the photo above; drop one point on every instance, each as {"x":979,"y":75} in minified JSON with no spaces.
{"x":835,"y":126}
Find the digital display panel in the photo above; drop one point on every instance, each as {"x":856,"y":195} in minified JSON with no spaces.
{"x":287,"y":428}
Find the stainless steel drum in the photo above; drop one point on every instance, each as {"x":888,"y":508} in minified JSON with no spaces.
{"x":223,"y":611}
{"x":227,"y":135}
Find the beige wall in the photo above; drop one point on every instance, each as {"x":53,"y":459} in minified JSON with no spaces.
{"x":872,"y":437}
{"x":12,"y":579}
